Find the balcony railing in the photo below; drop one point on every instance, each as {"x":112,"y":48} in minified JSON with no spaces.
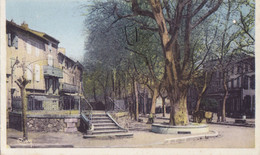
{"x":52,"y":71}
{"x":69,"y":88}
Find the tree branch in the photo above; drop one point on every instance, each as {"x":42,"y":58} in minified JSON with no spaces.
{"x":207,"y":14}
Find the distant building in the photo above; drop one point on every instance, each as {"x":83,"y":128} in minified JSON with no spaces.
{"x":71,"y":83}
{"x":51,"y":77}
{"x":241,"y":87}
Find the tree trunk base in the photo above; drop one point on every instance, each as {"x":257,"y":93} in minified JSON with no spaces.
{"x":150,"y":119}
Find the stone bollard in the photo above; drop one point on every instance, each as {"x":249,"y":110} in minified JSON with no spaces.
{"x":71,"y":124}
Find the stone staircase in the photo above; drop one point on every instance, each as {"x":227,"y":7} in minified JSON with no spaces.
{"x":105,"y":126}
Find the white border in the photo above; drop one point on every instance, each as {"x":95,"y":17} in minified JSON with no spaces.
{"x":190,"y":151}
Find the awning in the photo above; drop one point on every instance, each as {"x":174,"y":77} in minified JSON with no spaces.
{"x":76,"y":96}
{"x":71,"y":94}
{"x":42,"y":98}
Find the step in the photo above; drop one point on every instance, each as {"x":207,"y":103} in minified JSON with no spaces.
{"x":100,"y":118}
{"x":101,"y":121}
{"x":106,"y":127}
{"x":98,"y":112}
{"x":107,"y":131}
{"x":114,"y":135}
{"x":103,"y":124}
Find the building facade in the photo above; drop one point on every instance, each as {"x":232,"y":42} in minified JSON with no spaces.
{"x":35,"y":55}
{"x":71,"y":83}
{"x":241,"y":87}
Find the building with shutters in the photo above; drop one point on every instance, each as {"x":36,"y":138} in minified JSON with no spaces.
{"x":241,"y":87}
{"x":71,"y":83}
{"x":35,"y":55}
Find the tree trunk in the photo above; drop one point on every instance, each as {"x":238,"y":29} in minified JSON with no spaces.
{"x":24,"y":115}
{"x":202,"y":92}
{"x":179,"y":111}
{"x":145,"y":101}
{"x":136,"y":102}
{"x":223,"y":119}
{"x":119,"y":88}
{"x":94,"y":91}
{"x":153,"y":106}
{"x":163,"y":106}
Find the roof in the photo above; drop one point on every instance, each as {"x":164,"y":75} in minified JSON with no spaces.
{"x":76,"y":62}
{"x":24,"y":27}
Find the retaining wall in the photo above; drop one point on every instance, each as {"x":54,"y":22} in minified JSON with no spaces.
{"x":46,"y":123}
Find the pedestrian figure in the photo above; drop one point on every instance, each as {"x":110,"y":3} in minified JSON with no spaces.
{"x":218,"y":114}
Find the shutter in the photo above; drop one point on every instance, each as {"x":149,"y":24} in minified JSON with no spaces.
{"x":50,"y":60}
{"x":29,"y":72}
{"x":9,"y":39}
{"x":37,"y":73}
{"x":29,"y":47}
{"x":15,"y":42}
{"x":49,"y":47}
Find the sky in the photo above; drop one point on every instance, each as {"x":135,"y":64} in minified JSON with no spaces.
{"x":61,"y":19}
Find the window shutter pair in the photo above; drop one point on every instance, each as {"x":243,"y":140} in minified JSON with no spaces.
{"x":12,"y":40}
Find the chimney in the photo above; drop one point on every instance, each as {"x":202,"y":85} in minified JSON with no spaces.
{"x":62,"y":50}
{"x":25,"y":25}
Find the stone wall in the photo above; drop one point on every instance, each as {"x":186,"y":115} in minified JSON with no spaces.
{"x":46,"y":123}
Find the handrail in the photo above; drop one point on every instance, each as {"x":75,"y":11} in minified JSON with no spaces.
{"x":84,"y":97}
{"x":91,"y":108}
{"x":115,"y":104}
{"x":87,"y":121}
{"x":109,"y":115}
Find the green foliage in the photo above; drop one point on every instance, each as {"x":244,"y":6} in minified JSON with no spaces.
{"x":209,"y":104}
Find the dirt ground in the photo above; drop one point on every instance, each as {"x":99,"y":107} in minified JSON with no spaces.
{"x":229,"y":137}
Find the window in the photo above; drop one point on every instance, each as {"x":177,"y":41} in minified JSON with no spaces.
{"x":12,"y":40}
{"x":50,"y":60}
{"x":239,"y":69}
{"x":37,"y":73}
{"x":54,"y":85}
{"x":47,"y":84}
{"x":37,"y":51}
{"x":34,"y":104}
{"x":232,"y":69}
{"x":229,"y":84}
{"x":246,"y":67}
{"x":66,"y":64}
{"x":246,"y":82}
{"x":252,"y":82}
{"x":28,"y":47}
{"x":29,"y":72}
{"x":50,"y":83}
{"x":238,"y":82}
{"x":232,"y":83}
{"x":50,"y":47}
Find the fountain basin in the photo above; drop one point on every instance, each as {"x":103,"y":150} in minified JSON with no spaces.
{"x":188,"y":129}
